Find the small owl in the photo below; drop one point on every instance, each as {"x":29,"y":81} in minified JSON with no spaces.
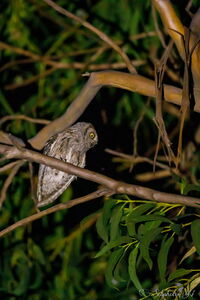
{"x":69,"y":145}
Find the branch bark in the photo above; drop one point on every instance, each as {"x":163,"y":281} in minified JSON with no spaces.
{"x":99,"y":193}
{"x":111,"y":184}
{"x":130,"y":82}
{"x":175,"y":29}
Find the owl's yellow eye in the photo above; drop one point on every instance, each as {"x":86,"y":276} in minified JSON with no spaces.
{"x":92,"y":135}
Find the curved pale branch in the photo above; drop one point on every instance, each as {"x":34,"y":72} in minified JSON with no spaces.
{"x":176,"y":30}
{"x":130,"y":82}
{"x":111,"y":184}
{"x":171,"y":22}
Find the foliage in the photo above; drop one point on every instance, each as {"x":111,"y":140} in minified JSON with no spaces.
{"x":138,"y":249}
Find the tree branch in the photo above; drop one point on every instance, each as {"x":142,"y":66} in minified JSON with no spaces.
{"x":99,"y":193}
{"x":111,"y":184}
{"x":130,"y":82}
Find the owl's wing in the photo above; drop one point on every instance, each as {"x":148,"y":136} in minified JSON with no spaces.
{"x":51,"y":185}
{"x":51,"y":182}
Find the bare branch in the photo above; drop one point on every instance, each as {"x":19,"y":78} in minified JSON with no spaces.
{"x":9,"y":166}
{"x":137,"y":159}
{"x":111,"y":184}
{"x":30,"y":80}
{"x":23,"y":117}
{"x":99,"y":193}
{"x":170,"y":21}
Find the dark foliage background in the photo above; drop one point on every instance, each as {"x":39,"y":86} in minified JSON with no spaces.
{"x":54,"y":257}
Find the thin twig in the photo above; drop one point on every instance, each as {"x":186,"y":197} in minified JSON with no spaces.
{"x":76,"y":65}
{"x":99,"y":33}
{"x":8,"y":166}
{"x":23,"y":117}
{"x":159,"y":33}
{"x":8,"y":181}
{"x":30,"y":80}
{"x":99,"y":193}
{"x":135,"y":132}
{"x":159,"y":74}
{"x":185,"y":103}
{"x":137,"y":159}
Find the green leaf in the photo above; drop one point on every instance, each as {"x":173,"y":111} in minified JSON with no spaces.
{"x":195,"y":229}
{"x":112,"y":244}
{"x":115,"y":221}
{"x":23,"y":280}
{"x":132,"y":261}
{"x":102,"y":224}
{"x":190,"y":187}
{"x":179,"y":273}
{"x":146,"y":239}
{"x":113,"y":261}
{"x":102,"y":228}
{"x":38,"y":254}
{"x":139,"y":210}
{"x":38,"y":278}
{"x":5,"y":104}
{"x":162,"y":256}
{"x":153,"y":217}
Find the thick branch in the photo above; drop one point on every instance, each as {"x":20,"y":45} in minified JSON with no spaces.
{"x":175,"y":29}
{"x":111,"y":184}
{"x":130,"y":82}
{"x":171,"y":22}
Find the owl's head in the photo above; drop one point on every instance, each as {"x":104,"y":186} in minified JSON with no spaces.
{"x":87,"y":134}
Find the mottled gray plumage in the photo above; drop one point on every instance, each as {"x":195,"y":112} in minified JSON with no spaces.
{"x":71,"y":146}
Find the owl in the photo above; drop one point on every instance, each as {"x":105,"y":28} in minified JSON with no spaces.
{"x":69,"y":145}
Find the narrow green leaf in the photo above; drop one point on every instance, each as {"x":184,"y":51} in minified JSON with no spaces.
{"x":5,"y":104}
{"x":107,"y":209}
{"x":139,"y":210}
{"x":162,"y":256}
{"x":120,"y":271}
{"x":132,"y":261}
{"x":190,"y":252}
{"x":153,"y":217}
{"x":190,"y":187}
{"x":113,"y":261}
{"x":36,"y":280}
{"x":195,"y":229}
{"x":145,"y":241}
{"x":115,"y":221}
{"x":102,"y":224}
{"x":112,"y":244}
{"x":179,"y":273}
{"x":102,"y":229}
